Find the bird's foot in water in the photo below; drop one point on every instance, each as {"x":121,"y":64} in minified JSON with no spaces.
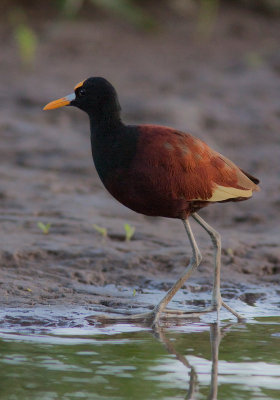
{"x":239,"y":317}
{"x":170,"y":313}
{"x":153,"y":317}
{"x":147,"y":317}
{"x":214,"y":307}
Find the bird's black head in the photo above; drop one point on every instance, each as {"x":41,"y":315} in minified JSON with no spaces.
{"x":96,"y":96}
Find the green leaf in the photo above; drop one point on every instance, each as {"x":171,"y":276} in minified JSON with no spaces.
{"x":45,"y":228}
{"x":102,"y":231}
{"x":129,"y":232}
{"x":134,"y":292}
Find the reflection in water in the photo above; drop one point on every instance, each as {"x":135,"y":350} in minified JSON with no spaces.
{"x":215,"y":338}
{"x":159,"y":333}
{"x":125,"y":362}
{"x":216,"y":334}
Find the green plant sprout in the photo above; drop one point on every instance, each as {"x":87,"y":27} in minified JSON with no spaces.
{"x":229,"y":251}
{"x":45,"y":228}
{"x":129,"y":232}
{"x":207,"y":17}
{"x":27,"y":42}
{"x":254,"y":59}
{"x":70,"y":8}
{"x":129,"y":10}
{"x":102,"y":231}
{"x":134,"y":292}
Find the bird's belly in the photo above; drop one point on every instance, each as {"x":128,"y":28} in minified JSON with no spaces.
{"x":146,"y":198}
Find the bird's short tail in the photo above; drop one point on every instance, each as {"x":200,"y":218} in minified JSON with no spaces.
{"x":252,"y":178}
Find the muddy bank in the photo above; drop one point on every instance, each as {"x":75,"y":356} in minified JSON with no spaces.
{"x":225,"y":90}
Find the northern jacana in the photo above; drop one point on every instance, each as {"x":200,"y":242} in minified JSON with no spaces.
{"x":159,"y":171}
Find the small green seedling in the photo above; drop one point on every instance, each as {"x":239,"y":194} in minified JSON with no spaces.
{"x":102,"y":231}
{"x":229,"y":252}
{"x":134,"y":292}
{"x":27,"y":43}
{"x":45,"y":228}
{"x":129,"y":232}
{"x":207,"y":17}
{"x":70,"y":8}
{"x":254,"y":60}
{"x":128,"y":10}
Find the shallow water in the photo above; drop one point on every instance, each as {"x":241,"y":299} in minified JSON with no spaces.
{"x":192,"y":361}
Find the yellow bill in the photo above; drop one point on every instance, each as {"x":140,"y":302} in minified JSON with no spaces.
{"x":64,"y":101}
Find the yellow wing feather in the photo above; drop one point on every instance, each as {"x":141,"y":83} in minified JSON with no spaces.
{"x":221,"y":193}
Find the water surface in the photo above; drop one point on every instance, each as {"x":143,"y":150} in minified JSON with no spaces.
{"x":193,"y":361}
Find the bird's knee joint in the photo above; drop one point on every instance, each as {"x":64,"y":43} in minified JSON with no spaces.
{"x":216,"y":237}
{"x":198,"y":259}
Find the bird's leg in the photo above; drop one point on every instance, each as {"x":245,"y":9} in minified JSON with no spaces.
{"x":216,"y":240}
{"x":194,"y":262}
{"x":154,"y":315}
{"x":217,"y":301}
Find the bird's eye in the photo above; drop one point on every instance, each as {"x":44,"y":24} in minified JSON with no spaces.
{"x":82,"y":92}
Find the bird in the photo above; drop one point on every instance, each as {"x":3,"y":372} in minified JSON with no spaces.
{"x":160,"y":171}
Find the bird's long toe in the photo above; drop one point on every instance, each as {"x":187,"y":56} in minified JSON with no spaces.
{"x":142,"y":317}
{"x":239,"y":317}
{"x":184,"y":314}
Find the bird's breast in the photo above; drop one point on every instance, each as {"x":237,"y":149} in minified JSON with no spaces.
{"x":113,"y":151}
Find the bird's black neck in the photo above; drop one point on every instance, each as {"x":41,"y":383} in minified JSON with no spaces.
{"x":113,"y":145}
{"x":102,"y":123}
{"x":105,"y":114}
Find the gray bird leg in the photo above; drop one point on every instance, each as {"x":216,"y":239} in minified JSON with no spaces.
{"x":217,"y":301}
